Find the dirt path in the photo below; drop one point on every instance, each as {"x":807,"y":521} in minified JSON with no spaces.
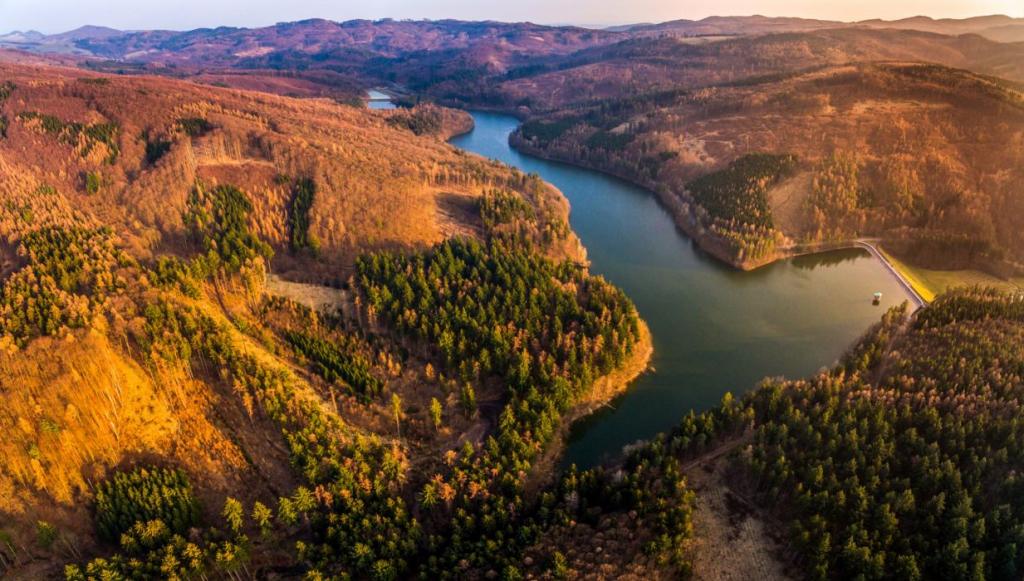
{"x":713,"y":455}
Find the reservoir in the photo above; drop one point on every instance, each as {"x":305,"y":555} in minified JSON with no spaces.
{"x":378,"y":100}
{"x":715,"y":329}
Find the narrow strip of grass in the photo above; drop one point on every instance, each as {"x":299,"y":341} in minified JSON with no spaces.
{"x":931,"y":283}
{"x":921,"y":285}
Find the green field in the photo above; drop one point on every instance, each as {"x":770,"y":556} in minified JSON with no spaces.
{"x":931,"y":283}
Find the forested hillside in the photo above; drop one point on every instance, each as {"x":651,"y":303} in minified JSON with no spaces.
{"x":643,"y":64}
{"x":901,"y":462}
{"x":169,"y":417}
{"x":244,"y":335}
{"x":924,"y":156}
{"x":132,"y":150}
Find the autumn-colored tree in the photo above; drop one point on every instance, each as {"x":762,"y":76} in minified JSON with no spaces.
{"x":396,"y":411}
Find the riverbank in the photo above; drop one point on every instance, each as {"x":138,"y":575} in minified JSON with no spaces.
{"x":715,"y":328}
{"x":604,"y":390}
{"x":455,"y":122}
{"x":681,"y":211}
{"x":913,"y":291}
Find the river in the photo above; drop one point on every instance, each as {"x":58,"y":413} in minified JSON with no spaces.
{"x":715,"y":329}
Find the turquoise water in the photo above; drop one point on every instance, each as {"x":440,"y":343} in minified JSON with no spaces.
{"x":715,"y":329}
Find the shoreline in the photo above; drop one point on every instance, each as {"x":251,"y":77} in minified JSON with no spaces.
{"x":678,"y":209}
{"x":685,"y":221}
{"x":615,"y":384}
{"x":896,"y":272}
{"x":683,"y":217}
{"x":605,"y":389}
{"x":463,"y":124}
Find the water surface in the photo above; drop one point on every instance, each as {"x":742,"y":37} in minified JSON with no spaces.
{"x":378,"y":100}
{"x":715,"y":329}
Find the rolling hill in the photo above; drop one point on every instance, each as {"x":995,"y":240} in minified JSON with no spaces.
{"x":523,"y":64}
{"x":249,"y":335}
{"x":1000,"y":28}
{"x":144,"y":347}
{"x":918,"y":154}
{"x":147,"y":167}
{"x":314,"y":57}
{"x":676,"y":63}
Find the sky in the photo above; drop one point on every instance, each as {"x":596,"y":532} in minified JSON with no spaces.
{"x":50,"y":16}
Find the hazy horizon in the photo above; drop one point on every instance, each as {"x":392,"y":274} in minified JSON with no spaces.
{"x":63,"y":15}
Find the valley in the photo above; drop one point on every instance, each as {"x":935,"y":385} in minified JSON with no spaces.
{"x":787,"y":319}
{"x":440,"y":299}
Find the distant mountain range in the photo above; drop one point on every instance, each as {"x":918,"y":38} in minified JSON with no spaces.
{"x":224,"y":45}
{"x":996,"y":27}
{"x":390,"y":38}
{"x":522,"y":64}
{"x":63,"y":43}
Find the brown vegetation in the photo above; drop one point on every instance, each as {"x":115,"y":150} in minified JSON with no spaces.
{"x":150,"y":343}
{"x":649,"y":64}
{"x":377,"y":186}
{"x":920,"y":154}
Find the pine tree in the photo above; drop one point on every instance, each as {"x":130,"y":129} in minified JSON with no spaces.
{"x":233,"y":514}
{"x":262,"y":516}
{"x":435,"y":413}
{"x":396,"y":409}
